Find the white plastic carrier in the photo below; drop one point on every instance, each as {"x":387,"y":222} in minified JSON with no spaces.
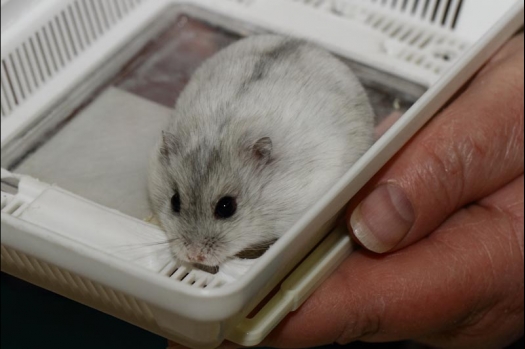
{"x":56,"y":54}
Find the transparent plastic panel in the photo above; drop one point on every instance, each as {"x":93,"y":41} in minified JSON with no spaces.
{"x":102,"y":150}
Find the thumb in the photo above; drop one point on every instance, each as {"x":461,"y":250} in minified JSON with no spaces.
{"x":468,"y":151}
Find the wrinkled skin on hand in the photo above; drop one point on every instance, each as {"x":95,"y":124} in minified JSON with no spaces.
{"x":456,"y":279}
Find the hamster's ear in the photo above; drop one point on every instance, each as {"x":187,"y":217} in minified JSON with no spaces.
{"x":262,"y":149}
{"x":169,"y":145}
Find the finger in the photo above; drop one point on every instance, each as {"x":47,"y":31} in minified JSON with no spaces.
{"x":504,"y":54}
{"x":463,"y":286}
{"x":469,"y":150}
{"x":497,"y":320}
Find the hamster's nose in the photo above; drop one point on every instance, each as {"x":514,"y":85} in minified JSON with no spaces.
{"x":196,"y":258}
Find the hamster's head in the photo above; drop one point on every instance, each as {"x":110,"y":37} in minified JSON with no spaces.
{"x":208,"y":197}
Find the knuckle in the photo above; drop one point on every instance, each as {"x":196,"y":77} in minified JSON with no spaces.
{"x":444,"y":171}
{"x":515,"y":230}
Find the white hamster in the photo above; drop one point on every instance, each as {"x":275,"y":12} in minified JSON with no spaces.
{"x":261,"y":131}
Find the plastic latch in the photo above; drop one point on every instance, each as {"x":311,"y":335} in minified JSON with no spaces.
{"x":296,"y":288}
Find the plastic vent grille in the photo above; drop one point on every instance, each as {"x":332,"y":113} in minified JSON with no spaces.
{"x":45,"y":53}
{"x":72,"y":285}
{"x":443,"y":13}
{"x":418,"y":32}
{"x":192,"y":277}
{"x":425,"y":48}
{"x":418,"y":42}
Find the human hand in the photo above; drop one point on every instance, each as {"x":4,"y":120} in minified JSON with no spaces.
{"x":448,"y":269}
{"x":454,"y":275}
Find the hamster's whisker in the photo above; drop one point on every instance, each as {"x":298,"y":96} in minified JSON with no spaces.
{"x":130,"y":247}
{"x":142,"y":244}
{"x":159,"y":255}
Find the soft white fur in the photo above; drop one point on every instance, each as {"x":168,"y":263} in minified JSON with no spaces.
{"x":307,"y":102}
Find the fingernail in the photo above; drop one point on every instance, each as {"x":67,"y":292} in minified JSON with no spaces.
{"x":383,"y":219}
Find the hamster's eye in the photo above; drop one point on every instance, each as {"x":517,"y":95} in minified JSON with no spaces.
{"x":175,"y":203}
{"x":225,"y":208}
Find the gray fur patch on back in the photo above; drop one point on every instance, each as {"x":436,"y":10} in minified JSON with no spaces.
{"x":268,"y":59}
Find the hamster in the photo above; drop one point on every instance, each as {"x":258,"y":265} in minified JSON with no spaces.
{"x":261,"y":131}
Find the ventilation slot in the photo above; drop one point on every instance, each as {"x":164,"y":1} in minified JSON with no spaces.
{"x":54,"y":46}
{"x":193,"y":277}
{"x":439,"y":12}
{"x":430,"y":47}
